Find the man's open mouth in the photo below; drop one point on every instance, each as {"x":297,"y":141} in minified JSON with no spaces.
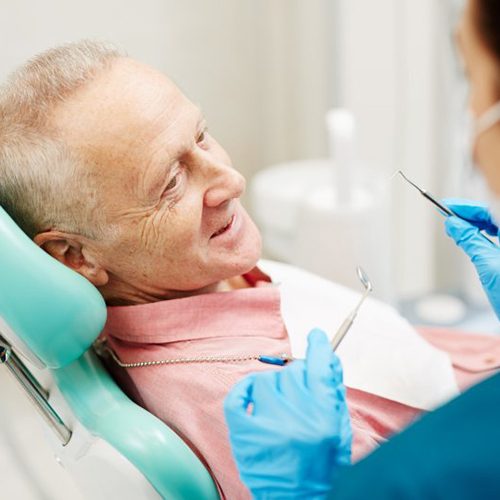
{"x":224,"y":229}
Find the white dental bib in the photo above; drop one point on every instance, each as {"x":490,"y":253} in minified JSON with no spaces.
{"x":382,"y":354}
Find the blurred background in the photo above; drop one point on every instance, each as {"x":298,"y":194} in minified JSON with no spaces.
{"x":265,"y":73}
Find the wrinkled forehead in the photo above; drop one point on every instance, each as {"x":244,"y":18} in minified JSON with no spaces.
{"x":122,"y":112}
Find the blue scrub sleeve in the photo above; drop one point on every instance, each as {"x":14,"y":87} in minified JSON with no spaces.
{"x":451,"y":453}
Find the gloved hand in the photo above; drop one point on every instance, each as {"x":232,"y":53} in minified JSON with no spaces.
{"x":290,"y":430}
{"x":483,"y":254}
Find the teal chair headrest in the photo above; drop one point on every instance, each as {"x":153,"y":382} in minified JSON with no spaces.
{"x":47,"y":311}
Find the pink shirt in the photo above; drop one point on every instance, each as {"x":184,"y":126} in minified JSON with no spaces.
{"x":189,"y":397}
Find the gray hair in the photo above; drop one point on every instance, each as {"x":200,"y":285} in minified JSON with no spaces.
{"x":43,"y":183}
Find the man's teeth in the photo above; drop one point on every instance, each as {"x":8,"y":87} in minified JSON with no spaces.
{"x":220,"y":231}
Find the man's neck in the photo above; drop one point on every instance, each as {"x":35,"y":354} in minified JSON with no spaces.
{"x":124,"y":296}
{"x":234,"y":283}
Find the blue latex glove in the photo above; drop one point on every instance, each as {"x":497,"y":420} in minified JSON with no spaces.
{"x":290,"y":430}
{"x":484,"y":255}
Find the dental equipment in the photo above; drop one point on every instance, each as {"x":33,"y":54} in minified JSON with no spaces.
{"x":427,"y":195}
{"x":444,"y":209}
{"x":346,"y":325}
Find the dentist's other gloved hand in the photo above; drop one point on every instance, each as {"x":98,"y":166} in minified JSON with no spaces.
{"x":483,"y":254}
{"x":290,"y":430}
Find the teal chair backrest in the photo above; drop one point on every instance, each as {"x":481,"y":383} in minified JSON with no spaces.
{"x":55,"y":312}
{"x":54,"y":315}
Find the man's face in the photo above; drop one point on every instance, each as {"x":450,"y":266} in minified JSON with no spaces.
{"x":169,"y":187}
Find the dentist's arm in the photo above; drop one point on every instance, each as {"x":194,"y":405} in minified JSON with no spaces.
{"x":450,"y":453}
{"x":295,"y":442}
{"x":290,"y":430}
{"x":484,"y":255}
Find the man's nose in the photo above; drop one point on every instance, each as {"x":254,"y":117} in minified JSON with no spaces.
{"x":224,"y":183}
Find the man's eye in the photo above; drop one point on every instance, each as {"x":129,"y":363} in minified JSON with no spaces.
{"x":202,"y":137}
{"x":172,"y":183}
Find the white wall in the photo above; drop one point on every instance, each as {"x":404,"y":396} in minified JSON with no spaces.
{"x":386,"y":78}
{"x":397,"y":71}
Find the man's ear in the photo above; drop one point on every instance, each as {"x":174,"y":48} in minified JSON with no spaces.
{"x":69,"y":250}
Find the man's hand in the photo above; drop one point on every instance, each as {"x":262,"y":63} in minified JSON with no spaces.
{"x":484,"y":255}
{"x":290,"y":430}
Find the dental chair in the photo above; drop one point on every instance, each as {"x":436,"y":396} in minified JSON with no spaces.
{"x":49,"y":318}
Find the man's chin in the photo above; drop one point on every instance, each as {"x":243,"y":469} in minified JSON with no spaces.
{"x":242,"y":263}
{"x":254,"y":253}
{"x":242,"y":256}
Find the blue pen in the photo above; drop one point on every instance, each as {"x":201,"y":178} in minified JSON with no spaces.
{"x":275,"y":360}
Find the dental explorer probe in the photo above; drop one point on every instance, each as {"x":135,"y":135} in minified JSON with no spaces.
{"x":427,"y":195}
{"x":444,"y":209}
{"x":346,"y":325}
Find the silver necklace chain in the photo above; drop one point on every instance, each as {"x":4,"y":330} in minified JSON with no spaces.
{"x":102,"y":349}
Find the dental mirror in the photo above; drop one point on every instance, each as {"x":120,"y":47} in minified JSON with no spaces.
{"x":364,"y":279}
{"x":347,"y":323}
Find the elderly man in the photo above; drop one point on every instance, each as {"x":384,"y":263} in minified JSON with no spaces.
{"x":109,"y":168}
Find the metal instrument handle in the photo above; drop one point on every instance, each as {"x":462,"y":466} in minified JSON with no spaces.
{"x":341,"y":332}
{"x":36,"y":394}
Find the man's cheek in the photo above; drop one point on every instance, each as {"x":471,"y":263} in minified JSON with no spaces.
{"x":178,"y":247}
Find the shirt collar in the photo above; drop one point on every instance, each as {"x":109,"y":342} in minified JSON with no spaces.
{"x":245,"y":312}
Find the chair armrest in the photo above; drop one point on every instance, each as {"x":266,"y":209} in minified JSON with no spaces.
{"x":105,"y":411}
